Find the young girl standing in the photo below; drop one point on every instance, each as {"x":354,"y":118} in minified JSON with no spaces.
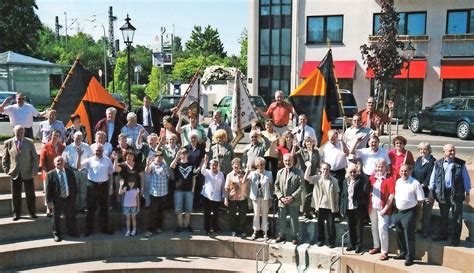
{"x":131,"y":204}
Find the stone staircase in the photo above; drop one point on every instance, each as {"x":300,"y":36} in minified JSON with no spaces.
{"x":27,"y":246}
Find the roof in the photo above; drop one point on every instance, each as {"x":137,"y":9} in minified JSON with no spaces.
{"x":12,"y":58}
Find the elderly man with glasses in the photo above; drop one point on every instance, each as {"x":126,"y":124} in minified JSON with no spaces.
{"x":373,"y":118}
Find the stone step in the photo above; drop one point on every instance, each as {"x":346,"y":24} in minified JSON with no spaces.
{"x":6,"y":206}
{"x":371,"y":264}
{"x":192,"y":264}
{"x":43,"y":252}
{"x":5,"y":183}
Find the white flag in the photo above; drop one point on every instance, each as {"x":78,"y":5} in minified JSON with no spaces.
{"x":243,"y":112}
{"x":191,"y":98}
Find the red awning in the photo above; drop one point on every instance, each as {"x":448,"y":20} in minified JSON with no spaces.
{"x":463,"y":69}
{"x":417,"y":71}
{"x":343,"y":69}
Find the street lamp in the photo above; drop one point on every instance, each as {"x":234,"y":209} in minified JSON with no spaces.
{"x":408,"y":54}
{"x":127,"y":32}
{"x":113,"y":61}
{"x":138,"y":69}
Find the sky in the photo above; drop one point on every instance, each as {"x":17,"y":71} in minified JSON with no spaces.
{"x":230,"y":17}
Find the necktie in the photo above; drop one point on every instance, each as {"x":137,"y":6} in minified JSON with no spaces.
{"x":149,"y":118}
{"x":18,"y":146}
{"x":302,"y":137}
{"x":369,"y":121}
{"x":62,"y":183}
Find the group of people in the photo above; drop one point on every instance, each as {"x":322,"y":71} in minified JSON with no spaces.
{"x":143,"y":165}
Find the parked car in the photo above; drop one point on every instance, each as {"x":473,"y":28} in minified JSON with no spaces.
{"x":225,"y":107}
{"x":349,"y":105}
{"x":448,"y":115}
{"x":4,"y":95}
{"x":170,"y":101}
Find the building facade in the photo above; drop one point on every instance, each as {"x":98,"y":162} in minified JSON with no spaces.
{"x":288,"y":38}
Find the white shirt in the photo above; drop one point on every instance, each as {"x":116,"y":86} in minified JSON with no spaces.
{"x":334,"y":155}
{"x":146,"y":113}
{"x":369,"y":158}
{"x":308,"y":132}
{"x":408,"y":193}
{"x":213,"y":188}
{"x":376,"y":192}
{"x":70,"y":153}
{"x":65,"y":180}
{"x":98,"y":169}
{"x":21,"y":115}
{"x":352,"y":134}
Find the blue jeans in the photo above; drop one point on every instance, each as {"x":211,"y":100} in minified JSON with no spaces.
{"x":183,"y":201}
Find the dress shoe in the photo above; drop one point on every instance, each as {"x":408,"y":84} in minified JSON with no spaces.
{"x":88,"y":233}
{"x":409,"y":262}
{"x":320,"y":243}
{"x":16,"y":218}
{"x":358,"y":249}
{"x":294,"y":241}
{"x":374,"y":251}
{"x":57,"y":238}
{"x":189,"y":229}
{"x":440,"y":238}
{"x":454,"y":243}
{"x":350,"y":248}
{"x":33,"y":216}
{"x":280,"y":239}
{"x":49,"y":215}
{"x":383,"y":257}
{"x":331,"y":245}
{"x":399,"y":257}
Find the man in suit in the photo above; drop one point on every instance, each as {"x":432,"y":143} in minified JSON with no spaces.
{"x":61,"y":192}
{"x":150,"y":116}
{"x":20,"y":161}
{"x":288,"y":186}
{"x":110,"y":125}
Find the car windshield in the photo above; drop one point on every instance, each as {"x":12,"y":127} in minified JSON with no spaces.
{"x":350,"y":105}
{"x":169,"y":102}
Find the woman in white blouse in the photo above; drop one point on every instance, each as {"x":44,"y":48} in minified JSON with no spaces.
{"x":260,"y":193}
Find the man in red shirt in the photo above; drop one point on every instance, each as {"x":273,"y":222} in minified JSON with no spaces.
{"x":280,"y":112}
{"x":373,"y":118}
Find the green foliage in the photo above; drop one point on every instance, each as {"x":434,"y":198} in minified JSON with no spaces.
{"x":120,"y":76}
{"x":185,"y":68}
{"x":243,"y":41}
{"x":205,"y":42}
{"x":142,"y":55}
{"x":156,"y":83}
{"x":177,"y":46}
{"x":382,"y":56}
{"x":19,"y":26}
{"x":138,"y":90}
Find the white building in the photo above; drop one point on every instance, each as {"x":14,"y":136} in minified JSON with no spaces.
{"x":286,"y":37}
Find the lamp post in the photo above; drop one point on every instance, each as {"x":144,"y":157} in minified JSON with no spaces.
{"x":127,"y":32}
{"x":112,"y":61}
{"x":138,"y":70}
{"x":408,"y":54}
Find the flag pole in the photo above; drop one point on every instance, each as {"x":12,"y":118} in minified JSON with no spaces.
{"x":69,"y":74}
{"x":239,"y":134}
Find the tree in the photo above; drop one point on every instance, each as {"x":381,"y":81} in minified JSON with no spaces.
{"x":382,"y":56}
{"x":156,"y":83}
{"x":141,"y":55}
{"x":207,"y":42}
{"x":19,"y":26}
{"x":185,"y":68}
{"x":243,"y":41}
{"x":177,"y":45}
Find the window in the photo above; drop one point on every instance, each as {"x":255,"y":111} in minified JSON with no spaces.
{"x":319,"y":29}
{"x":460,"y":22}
{"x":411,"y":23}
{"x":456,"y":88}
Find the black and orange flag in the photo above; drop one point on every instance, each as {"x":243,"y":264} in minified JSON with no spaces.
{"x":317,"y":97}
{"x":82,"y":94}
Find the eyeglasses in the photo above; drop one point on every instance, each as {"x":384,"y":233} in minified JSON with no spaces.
{"x":370,"y":102}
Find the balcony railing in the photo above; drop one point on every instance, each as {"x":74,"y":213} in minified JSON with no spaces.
{"x":459,"y":45}
{"x":420,"y":42}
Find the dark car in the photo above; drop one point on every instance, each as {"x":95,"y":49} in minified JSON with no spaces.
{"x":349,"y":105}
{"x":448,"y":115}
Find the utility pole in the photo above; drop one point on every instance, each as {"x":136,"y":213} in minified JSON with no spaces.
{"x":65,"y":24}
{"x":112,"y":18}
{"x":57,"y":28}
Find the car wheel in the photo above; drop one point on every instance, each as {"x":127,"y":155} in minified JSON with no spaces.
{"x":463,"y":130}
{"x":415,"y":125}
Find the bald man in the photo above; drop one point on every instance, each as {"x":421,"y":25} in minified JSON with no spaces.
{"x":450,"y":185}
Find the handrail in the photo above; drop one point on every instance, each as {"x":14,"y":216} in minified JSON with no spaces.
{"x":265,"y":253}
{"x":334,"y":259}
{"x":342,"y":241}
